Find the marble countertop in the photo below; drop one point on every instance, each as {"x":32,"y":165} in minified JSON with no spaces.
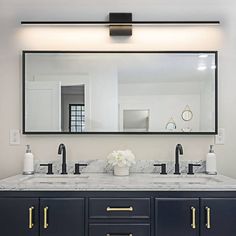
{"x":108,"y":182}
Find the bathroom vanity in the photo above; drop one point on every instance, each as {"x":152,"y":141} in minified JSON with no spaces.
{"x":104,"y":205}
{"x":119,"y":92}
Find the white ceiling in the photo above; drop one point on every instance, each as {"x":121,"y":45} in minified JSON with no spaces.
{"x":133,"y":67}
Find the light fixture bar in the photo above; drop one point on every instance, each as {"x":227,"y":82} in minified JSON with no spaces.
{"x":108,"y":23}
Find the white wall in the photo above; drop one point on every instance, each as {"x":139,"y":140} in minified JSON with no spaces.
{"x":162,"y":108}
{"x":168,"y":100}
{"x":207,"y":116}
{"x":104,"y":98}
{"x":15,"y":37}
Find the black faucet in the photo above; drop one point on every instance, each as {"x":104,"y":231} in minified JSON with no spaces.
{"x":163,"y":168}
{"x":62,"y":150}
{"x":178,"y":151}
{"x":77,"y":168}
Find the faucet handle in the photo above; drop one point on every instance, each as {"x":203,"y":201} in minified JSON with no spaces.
{"x":163,"y":168}
{"x":49,"y":165}
{"x":190,"y":168}
{"x":77,"y":168}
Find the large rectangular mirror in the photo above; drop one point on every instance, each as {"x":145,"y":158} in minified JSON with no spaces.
{"x":119,"y":92}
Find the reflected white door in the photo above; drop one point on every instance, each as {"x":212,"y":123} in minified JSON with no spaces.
{"x":43,"y":106}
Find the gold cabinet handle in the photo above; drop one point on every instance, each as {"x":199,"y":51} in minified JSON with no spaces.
{"x":31,"y":224}
{"x":45,"y":217}
{"x":193,"y":224}
{"x":120,"y":209}
{"x":208,"y":217}
{"x":119,"y":234}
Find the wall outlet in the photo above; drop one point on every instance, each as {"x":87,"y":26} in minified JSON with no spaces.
{"x":220,"y":137}
{"x":14,"y":137}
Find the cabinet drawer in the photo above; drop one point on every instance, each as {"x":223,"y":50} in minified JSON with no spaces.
{"x":138,"y":208}
{"x":119,"y":230}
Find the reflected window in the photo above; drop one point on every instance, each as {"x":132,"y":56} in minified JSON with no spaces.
{"x":77,"y":117}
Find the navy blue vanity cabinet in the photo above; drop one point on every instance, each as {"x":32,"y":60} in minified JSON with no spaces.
{"x":123,"y":213}
{"x":218,"y":216}
{"x":177,"y":217}
{"x":62,"y":216}
{"x":19,"y":216}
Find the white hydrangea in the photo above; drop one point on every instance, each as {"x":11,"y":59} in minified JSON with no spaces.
{"x":121,"y":158}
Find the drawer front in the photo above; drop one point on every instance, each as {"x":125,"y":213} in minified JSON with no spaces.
{"x":119,"y":230}
{"x":118,"y":208}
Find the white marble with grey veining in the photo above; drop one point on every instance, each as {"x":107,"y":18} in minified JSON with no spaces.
{"x":108,"y":182}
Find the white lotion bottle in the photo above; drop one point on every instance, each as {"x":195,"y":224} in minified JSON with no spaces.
{"x":211,"y":168}
{"x":28,"y":162}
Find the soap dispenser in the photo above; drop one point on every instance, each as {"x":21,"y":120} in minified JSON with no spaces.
{"x":211,"y":162}
{"x":28,"y":162}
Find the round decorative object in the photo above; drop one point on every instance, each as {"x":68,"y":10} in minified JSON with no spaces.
{"x":187,"y":114}
{"x":171,"y":125}
{"x":121,"y":171}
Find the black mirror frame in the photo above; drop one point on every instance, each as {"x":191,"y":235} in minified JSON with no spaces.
{"x":24,"y":52}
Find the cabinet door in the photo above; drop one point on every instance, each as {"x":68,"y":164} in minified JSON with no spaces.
{"x":62,"y":216}
{"x":218,"y":216}
{"x":177,"y":217}
{"x":19,"y":217}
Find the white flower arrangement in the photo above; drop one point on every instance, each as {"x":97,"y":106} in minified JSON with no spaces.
{"x":121,"y":158}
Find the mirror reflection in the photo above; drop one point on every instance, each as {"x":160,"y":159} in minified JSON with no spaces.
{"x":80,"y":92}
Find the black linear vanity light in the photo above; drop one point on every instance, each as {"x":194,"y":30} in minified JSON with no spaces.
{"x":117,"y":23}
{"x":120,"y":24}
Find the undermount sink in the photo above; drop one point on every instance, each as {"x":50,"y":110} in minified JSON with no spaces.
{"x":57,"y":179}
{"x":84,"y":179}
{"x":184,"y":179}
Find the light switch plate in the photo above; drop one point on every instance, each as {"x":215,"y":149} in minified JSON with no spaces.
{"x":14,"y":137}
{"x":220,"y":137}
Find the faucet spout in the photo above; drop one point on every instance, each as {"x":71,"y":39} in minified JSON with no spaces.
{"x":178,"y":151}
{"x":62,"y":150}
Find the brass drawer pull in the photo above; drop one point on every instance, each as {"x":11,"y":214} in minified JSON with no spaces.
{"x":208,"y":217}
{"x":31,"y":224}
{"x":193,"y":224}
{"x":119,"y":235}
{"x":120,"y":209}
{"x":45,"y":217}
